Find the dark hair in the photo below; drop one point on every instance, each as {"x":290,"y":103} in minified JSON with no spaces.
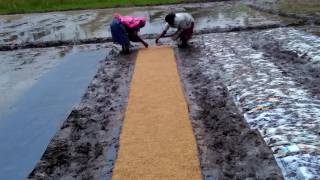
{"x":170,"y":18}
{"x":142,"y":24}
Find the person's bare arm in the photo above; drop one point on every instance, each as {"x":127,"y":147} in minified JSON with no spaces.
{"x":136,"y":38}
{"x":164,"y":32}
{"x":176,"y":35}
{"x":142,"y":41}
{"x":161,"y":35}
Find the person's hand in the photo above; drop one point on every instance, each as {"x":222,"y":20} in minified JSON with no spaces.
{"x":146,"y":45}
{"x":175,"y":37}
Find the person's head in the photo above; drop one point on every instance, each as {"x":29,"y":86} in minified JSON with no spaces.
{"x":170,"y":18}
{"x":142,"y":22}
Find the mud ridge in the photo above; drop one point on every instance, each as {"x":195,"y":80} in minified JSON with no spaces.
{"x":298,"y":66}
{"x":85,"y":146}
{"x":228,"y":148}
{"x":46,"y":44}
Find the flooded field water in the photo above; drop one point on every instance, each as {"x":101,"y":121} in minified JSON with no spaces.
{"x":73,"y":25}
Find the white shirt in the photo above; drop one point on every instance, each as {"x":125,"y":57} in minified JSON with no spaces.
{"x":181,"y":21}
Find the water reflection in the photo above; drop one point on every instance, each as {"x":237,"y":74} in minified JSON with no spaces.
{"x":73,"y":25}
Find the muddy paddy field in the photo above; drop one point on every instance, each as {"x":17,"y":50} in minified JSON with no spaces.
{"x":250,"y":77}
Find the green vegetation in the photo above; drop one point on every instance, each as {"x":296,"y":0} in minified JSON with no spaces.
{"x":25,"y":6}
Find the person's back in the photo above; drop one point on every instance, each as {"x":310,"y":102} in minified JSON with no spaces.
{"x":183,"y":21}
{"x":125,"y":29}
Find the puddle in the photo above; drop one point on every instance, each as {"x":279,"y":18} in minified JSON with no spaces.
{"x":224,"y":15}
{"x":43,"y":108}
{"x":74,"y":25}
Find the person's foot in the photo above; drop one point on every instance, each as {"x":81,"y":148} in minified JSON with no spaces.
{"x":183,"y":45}
{"x":125,"y":51}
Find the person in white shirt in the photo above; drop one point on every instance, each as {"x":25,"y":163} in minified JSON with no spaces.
{"x":184,"y":23}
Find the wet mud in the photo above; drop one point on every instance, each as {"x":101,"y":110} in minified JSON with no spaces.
{"x":12,"y":47}
{"x":228,"y":147}
{"x":86,"y":145}
{"x":253,"y":96}
{"x":91,"y":26}
{"x":302,"y":64}
{"x":285,"y":113}
{"x":306,"y":10}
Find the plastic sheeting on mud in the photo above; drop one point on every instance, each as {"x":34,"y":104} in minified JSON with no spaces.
{"x":27,"y":130}
{"x":301,"y":43}
{"x":286,"y":114}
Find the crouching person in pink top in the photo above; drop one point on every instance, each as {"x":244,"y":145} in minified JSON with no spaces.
{"x":184,"y":23}
{"x":125,"y":29}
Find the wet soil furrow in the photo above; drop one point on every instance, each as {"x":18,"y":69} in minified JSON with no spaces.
{"x":228,"y":148}
{"x":85,"y":146}
{"x":297,"y":54}
{"x":286,"y":114}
